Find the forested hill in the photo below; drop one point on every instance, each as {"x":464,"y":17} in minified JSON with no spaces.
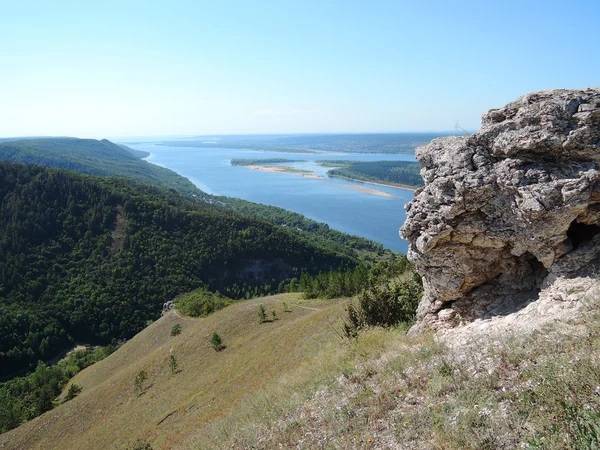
{"x":107,"y":159}
{"x":93,"y":157}
{"x":93,"y":259}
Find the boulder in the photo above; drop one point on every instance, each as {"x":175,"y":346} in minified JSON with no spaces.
{"x":509,"y":210}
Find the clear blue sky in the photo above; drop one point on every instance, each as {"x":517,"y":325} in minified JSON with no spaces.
{"x":133,"y":68}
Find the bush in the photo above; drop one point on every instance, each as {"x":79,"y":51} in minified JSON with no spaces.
{"x":262,"y":314}
{"x":216,"y":341}
{"x":176,"y":330}
{"x":74,"y":391}
{"x":139,"y":381}
{"x":173,"y":364}
{"x":140,"y":445}
{"x":201,"y":303}
{"x":385,"y":303}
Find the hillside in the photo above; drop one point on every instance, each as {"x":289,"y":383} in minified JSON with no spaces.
{"x":209,"y":385}
{"x":104,"y":158}
{"x":92,"y":259}
{"x":89,"y":156}
{"x":296,"y":383}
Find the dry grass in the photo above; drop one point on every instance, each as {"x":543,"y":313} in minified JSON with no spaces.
{"x":209,"y":385}
{"x":295,"y":383}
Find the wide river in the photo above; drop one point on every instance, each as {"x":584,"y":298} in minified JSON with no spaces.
{"x":339,"y":203}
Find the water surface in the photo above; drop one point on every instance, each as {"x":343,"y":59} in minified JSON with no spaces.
{"x":326,"y":200}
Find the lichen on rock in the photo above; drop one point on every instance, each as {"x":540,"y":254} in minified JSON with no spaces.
{"x":509,"y":210}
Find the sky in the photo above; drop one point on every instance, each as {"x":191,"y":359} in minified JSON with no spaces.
{"x":157,"y":68}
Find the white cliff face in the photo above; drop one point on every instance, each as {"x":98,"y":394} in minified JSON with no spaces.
{"x":509,"y":210}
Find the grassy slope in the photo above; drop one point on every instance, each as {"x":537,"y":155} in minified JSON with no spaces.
{"x":209,"y":385}
{"x":294,"y":383}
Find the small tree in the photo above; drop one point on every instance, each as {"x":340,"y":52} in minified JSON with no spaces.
{"x":286,"y":308}
{"x":274,"y":315}
{"x":74,"y":391}
{"x":139,"y":382}
{"x":173,"y":364}
{"x":176,"y":330}
{"x":216,"y":341}
{"x":140,"y":445}
{"x":262,"y":314}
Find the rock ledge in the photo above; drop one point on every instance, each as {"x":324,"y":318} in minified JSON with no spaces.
{"x":508,"y":211}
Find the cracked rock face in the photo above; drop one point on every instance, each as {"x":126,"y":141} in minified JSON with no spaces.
{"x":508,"y":210}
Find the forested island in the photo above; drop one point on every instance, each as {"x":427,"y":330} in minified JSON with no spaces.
{"x":261,"y":161}
{"x":394,"y":173}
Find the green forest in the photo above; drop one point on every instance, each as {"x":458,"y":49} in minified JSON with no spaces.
{"x":24,"y":398}
{"x":93,"y":157}
{"x":107,"y":159}
{"x":395,"y":172}
{"x":93,"y":259}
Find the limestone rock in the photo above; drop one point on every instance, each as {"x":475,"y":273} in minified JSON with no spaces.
{"x":507,"y":211}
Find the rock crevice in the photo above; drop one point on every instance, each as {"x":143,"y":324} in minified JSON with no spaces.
{"x":507,"y":211}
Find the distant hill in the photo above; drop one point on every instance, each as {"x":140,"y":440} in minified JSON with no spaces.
{"x":311,"y":143}
{"x":93,"y":157}
{"x":104,"y":158}
{"x":137,"y":153}
{"x":92,"y":259}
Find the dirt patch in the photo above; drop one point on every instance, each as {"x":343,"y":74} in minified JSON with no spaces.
{"x":117,"y":231}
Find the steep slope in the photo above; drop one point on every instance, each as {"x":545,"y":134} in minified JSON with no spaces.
{"x":294,"y":383}
{"x":208,"y":385}
{"x":93,"y":157}
{"x":92,"y":259}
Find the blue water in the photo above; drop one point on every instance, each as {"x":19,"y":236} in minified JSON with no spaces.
{"x":328,"y":200}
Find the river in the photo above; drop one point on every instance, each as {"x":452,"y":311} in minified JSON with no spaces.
{"x":340,"y":203}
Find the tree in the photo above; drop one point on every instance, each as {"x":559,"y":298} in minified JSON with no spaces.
{"x":262,"y":314}
{"x":74,"y":391}
{"x":176,"y":330}
{"x":139,"y":382}
{"x":173,"y":364}
{"x":216,"y":341}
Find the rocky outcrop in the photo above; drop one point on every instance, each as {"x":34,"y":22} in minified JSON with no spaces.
{"x":509,"y":210}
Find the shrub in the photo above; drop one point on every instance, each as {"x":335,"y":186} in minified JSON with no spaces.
{"x":74,"y":391}
{"x":262,"y":314}
{"x":140,"y":445}
{"x":173,"y":364}
{"x":139,"y":381}
{"x":385,"y":303}
{"x":176,"y":330}
{"x":216,"y":341}
{"x":201,"y":302}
